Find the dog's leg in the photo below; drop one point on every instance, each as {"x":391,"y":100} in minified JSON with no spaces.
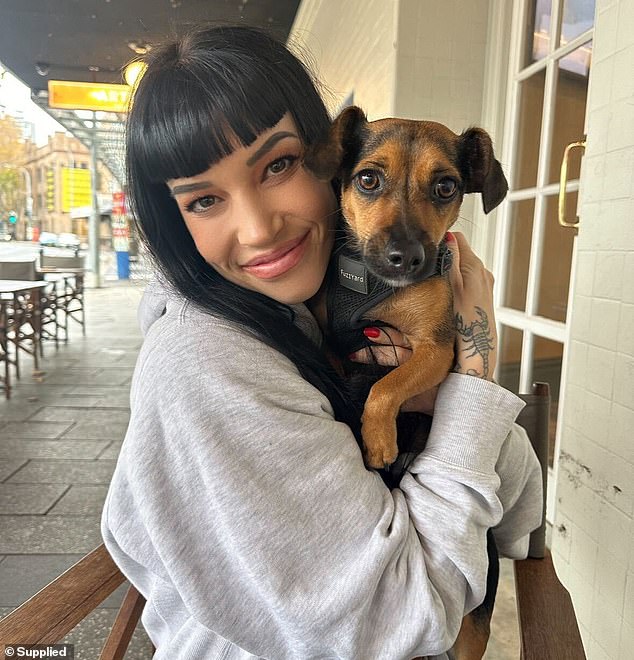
{"x":388,"y":395}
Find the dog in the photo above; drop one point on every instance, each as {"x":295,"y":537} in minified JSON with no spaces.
{"x":402,"y":185}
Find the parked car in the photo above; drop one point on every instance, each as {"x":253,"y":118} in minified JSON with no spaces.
{"x":68,"y":241}
{"x":48,"y":239}
{"x":5,"y":235}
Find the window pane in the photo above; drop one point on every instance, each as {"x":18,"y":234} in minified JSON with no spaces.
{"x":538,"y":40}
{"x":521,"y":230}
{"x":556,"y":261}
{"x":529,"y":128}
{"x":570,"y":111}
{"x":547,"y":360}
{"x":578,"y":17}
{"x":509,"y":357}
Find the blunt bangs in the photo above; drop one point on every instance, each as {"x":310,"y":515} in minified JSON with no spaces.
{"x":207,"y":101}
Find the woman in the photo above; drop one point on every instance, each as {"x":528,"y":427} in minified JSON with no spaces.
{"x":240,"y":506}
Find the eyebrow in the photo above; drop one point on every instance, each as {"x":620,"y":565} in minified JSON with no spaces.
{"x":262,"y":151}
{"x":268,"y":145}
{"x":189,"y":187}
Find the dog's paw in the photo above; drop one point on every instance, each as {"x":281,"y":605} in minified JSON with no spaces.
{"x":380,"y":449}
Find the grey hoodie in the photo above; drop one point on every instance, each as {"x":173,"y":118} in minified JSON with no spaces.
{"x":243,"y":512}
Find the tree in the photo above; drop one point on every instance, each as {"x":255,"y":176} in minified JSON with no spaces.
{"x":12,"y":152}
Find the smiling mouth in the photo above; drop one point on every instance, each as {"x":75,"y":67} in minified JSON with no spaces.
{"x":278,"y":262}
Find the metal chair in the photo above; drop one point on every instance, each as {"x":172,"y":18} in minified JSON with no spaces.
{"x":69,"y":290}
{"x":548,"y":626}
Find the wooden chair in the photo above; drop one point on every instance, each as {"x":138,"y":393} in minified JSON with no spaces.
{"x":548,"y":626}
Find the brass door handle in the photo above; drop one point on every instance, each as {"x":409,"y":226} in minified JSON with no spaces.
{"x":563,"y":178}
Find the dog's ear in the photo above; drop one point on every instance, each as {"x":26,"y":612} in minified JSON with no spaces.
{"x":482,"y":172}
{"x":326,"y":158}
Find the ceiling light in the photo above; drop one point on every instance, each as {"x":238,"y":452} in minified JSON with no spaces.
{"x":133,"y":72}
{"x":140,"y":48}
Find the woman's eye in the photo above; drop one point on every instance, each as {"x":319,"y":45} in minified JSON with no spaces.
{"x":368,"y":180}
{"x":445,"y":188}
{"x":281,"y":165}
{"x":201,"y":204}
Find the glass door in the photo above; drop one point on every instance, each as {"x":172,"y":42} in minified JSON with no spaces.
{"x":551,"y":48}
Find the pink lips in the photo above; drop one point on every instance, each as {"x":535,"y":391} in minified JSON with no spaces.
{"x":278,"y":262}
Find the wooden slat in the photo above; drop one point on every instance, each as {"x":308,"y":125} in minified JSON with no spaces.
{"x":124,"y":625}
{"x":60,"y":606}
{"x":548,"y":626}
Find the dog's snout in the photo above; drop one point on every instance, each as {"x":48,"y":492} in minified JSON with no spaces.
{"x":405,"y":256}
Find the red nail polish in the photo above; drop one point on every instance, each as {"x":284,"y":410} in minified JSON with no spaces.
{"x":372,"y":333}
{"x":449,"y":237}
{"x":352,"y":356}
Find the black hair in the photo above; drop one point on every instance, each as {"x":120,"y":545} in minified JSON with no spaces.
{"x":199,"y":95}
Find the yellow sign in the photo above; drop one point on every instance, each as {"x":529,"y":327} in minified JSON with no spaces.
{"x":88,"y":96}
{"x":76,"y":189}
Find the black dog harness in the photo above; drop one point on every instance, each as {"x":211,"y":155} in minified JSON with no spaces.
{"x":353,"y":290}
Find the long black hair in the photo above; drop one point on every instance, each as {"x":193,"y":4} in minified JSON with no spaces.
{"x":210,"y":85}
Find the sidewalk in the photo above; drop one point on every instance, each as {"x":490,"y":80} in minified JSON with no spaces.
{"x":59,"y":440}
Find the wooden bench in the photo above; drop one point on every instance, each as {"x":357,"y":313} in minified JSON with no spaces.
{"x":547,"y":622}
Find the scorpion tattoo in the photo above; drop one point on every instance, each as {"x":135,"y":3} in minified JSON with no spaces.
{"x":477,"y":337}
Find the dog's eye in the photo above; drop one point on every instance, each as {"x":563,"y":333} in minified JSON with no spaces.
{"x":368,"y":180}
{"x":446,"y":188}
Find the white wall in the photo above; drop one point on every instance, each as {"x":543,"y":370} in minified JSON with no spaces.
{"x":351,"y":49}
{"x":593,"y":536}
{"x":416,"y":59}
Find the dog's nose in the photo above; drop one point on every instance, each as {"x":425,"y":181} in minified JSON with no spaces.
{"x":407,"y":257}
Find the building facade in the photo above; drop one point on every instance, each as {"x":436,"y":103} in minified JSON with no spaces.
{"x":61,"y":181}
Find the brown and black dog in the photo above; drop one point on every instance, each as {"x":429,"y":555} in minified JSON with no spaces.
{"x":402,"y":185}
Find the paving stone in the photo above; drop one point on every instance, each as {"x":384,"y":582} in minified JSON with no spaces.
{"x":75,"y":414}
{"x":49,"y":534}
{"x":11,"y":411}
{"x":119,"y":399}
{"x":112,"y":451}
{"x":75,"y":401}
{"x":21,"y":576}
{"x":89,"y":636}
{"x":70,"y":449}
{"x":64,"y":472}
{"x":79,"y":501}
{"x":8,"y":467}
{"x":91,"y":430}
{"x":28,"y":499}
{"x":43,"y":430}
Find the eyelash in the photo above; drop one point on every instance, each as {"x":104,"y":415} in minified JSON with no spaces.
{"x":191,"y":206}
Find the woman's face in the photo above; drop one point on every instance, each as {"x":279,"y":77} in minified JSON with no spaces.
{"x":260,"y":219}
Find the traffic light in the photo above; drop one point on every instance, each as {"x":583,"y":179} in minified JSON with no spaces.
{"x":13,"y":218}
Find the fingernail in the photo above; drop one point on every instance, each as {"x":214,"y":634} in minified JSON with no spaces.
{"x":352,"y":356}
{"x":449,"y":237}
{"x":372,"y":333}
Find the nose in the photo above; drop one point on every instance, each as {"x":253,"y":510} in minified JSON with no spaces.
{"x":405,"y":256}
{"x":257,"y":225}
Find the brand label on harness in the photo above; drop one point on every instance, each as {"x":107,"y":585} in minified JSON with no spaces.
{"x":352,"y":275}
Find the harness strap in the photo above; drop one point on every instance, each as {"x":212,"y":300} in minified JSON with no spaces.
{"x":353,"y":290}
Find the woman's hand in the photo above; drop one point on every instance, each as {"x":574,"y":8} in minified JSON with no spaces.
{"x":476,"y":334}
{"x":392,"y":348}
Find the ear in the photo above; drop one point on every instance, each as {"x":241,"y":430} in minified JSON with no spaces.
{"x":482,"y":172}
{"x":326,"y":158}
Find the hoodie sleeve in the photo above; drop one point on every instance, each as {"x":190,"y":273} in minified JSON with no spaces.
{"x":240,"y":489}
